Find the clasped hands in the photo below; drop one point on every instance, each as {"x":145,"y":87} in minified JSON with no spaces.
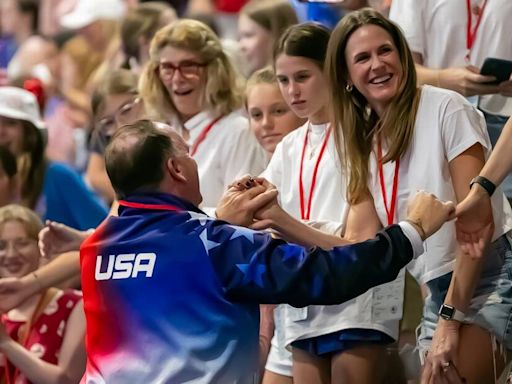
{"x":249,"y":202}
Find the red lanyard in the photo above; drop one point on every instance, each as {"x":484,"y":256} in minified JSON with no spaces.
{"x":471,"y":32}
{"x":202,"y":136}
{"x":158,"y":207}
{"x":303,"y":212}
{"x":390,"y":211}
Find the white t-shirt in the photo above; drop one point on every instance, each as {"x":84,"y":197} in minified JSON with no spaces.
{"x":228,"y":152}
{"x":446,"y":126}
{"x":437,"y":30}
{"x":328,"y":205}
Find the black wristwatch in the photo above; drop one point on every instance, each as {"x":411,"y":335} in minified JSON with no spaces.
{"x":486,"y":184}
{"x":448,"y":312}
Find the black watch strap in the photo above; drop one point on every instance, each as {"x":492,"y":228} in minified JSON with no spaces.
{"x":486,"y":184}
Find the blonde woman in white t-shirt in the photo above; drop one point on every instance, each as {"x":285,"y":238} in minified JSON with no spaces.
{"x":190,"y":81}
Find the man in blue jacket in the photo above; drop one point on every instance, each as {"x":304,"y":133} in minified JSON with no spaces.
{"x":171,"y":295}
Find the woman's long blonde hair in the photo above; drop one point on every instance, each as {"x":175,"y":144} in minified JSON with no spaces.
{"x":223,"y":93}
{"x":355,"y":123}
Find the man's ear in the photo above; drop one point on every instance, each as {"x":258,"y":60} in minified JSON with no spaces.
{"x":175,"y":170}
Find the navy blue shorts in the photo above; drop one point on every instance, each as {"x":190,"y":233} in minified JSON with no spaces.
{"x":341,"y":341}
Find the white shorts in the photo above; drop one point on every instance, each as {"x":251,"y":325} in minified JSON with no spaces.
{"x":279,"y":359}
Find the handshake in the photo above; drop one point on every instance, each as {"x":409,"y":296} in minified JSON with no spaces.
{"x":252,"y":202}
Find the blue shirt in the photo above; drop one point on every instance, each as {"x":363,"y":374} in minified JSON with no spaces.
{"x":325,"y":14}
{"x":67,"y":199}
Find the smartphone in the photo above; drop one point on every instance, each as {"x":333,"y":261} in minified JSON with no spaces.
{"x":499,"y":68}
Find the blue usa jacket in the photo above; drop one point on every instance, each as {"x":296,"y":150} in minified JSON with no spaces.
{"x":171,"y":295}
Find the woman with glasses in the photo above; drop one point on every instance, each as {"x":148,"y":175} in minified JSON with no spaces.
{"x":190,"y":82}
{"x":114,"y":102}
{"x":41,"y":339}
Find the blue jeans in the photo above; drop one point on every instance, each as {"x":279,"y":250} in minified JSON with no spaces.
{"x":491,"y":305}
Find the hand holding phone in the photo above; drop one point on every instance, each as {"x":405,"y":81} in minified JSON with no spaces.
{"x":499,"y":68}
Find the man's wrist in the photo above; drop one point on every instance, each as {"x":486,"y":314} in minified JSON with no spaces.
{"x":416,"y":223}
{"x":412,"y":233}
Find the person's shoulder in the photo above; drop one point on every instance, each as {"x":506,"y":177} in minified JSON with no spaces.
{"x":445,"y":97}
{"x":58,"y":169}
{"x":235,"y":120}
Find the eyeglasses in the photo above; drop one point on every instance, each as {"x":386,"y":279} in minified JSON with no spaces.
{"x":187,"y":69}
{"x":19,"y":245}
{"x":125,"y":114}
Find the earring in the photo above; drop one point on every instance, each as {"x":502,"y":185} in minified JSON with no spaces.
{"x":349,"y":87}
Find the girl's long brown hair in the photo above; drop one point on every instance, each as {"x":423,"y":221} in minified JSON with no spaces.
{"x":355,"y":124}
{"x":32,"y":165}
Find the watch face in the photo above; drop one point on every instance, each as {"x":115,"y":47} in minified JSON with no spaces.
{"x":446,"y":312}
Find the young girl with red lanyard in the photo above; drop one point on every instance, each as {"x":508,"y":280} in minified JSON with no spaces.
{"x":190,"y":81}
{"x":271,"y":119}
{"x":42,"y":339}
{"x":310,"y":181}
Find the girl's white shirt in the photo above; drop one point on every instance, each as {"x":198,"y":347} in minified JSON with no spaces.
{"x":328,"y":213}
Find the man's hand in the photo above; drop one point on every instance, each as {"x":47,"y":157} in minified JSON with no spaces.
{"x":266,"y":215}
{"x":429,"y":213}
{"x":467,"y":81}
{"x":475,"y":222}
{"x":239,"y":206}
{"x":57,"y":238}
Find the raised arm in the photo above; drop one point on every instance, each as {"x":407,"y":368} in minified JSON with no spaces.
{"x":475,"y":224}
{"x":266,"y":270}
{"x":465,"y":275}
{"x":467,"y":270}
{"x":499,"y":164}
{"x":14,"y":291}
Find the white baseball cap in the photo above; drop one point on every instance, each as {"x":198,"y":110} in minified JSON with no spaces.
{"x":17,"y":103}
{"x":86,"y":12}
